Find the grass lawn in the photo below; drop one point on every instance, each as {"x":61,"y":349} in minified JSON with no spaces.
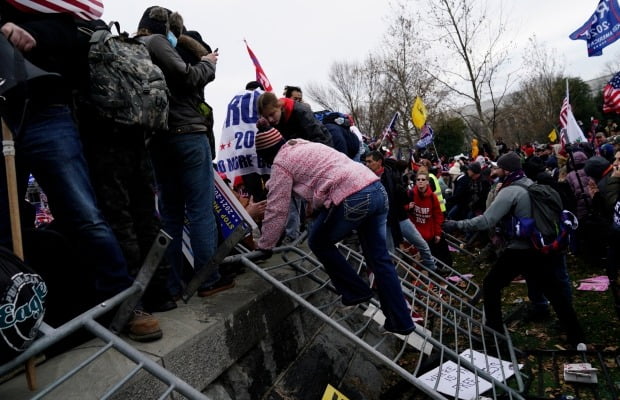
{"x":545,"y":350}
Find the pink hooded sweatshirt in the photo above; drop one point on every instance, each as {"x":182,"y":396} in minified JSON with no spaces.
{"x":322,"y":176}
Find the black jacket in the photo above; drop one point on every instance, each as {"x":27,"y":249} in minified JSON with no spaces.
{"x":303,"y":125}
{"x":397,"y":198}
{"x":186,"y":83}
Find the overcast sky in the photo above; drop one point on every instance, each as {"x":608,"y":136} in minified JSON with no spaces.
{"x":297,"y":41}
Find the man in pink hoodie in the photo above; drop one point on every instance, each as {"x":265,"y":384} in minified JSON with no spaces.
{"x":346,"y":196}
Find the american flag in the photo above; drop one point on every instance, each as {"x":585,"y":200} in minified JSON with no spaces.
{"x":260,"y":74}
{"x":83,"y":9}
{"x":611,"y":95}
{"x":564,"y":121}
{"x":390,"y":132}
{"x":571,"y":131}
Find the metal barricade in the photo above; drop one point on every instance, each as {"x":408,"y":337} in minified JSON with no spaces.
{"x":451,"y":354}
{"x":125,"y":300}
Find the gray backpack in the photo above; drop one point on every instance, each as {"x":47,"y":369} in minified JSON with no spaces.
{"x":124,"y":84}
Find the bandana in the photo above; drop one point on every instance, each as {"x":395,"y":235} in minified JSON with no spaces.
{"x":287,"y":107}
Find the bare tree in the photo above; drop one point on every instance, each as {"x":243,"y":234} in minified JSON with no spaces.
{"x":385,"y":82}
{"x":472,"y":51}
{"x":535,"y":104}
{"x":405,"y":75}
{"x":353,"y":89}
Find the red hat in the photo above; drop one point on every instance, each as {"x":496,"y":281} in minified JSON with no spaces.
{"x":238,"y":181}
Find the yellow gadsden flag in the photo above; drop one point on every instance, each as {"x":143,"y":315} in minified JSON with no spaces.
{"x":418,"y":113}
{"x":553,"y":135}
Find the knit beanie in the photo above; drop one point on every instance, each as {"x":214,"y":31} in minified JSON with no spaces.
{"x":155,"y":19}
{"x":509,"y":161}
{"x":474,"y":167}
{"x":268,"y":143}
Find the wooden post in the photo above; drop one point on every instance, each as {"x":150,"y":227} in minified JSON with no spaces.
{"x":8,"y":149}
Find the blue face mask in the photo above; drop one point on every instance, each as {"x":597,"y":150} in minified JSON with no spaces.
{"x":172,"y":39}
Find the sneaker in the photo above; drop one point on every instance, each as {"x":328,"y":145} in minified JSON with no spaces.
{"x":225,"y":282}
{"x":143,"y":327}
{"x":357,"y":301}
{"x":404,"y":332}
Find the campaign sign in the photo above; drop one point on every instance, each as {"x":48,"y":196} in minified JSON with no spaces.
{"x":229,"y":213}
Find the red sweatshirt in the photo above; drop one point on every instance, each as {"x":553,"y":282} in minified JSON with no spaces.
{"x":426,"y":214}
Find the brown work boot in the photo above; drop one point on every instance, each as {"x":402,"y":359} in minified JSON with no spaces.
{"x":143,"y":327}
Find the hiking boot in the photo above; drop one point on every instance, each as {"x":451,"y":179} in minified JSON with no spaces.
{"x":225,"y":282}
{"x":143,"y":327}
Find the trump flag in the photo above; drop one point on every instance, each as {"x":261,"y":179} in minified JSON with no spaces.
{"x":260,"y":74}
{"x":602,"y":29}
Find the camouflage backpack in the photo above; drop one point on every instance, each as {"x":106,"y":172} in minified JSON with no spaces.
{"x":124,"y":84}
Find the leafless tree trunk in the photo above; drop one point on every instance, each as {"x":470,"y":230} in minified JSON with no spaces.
{"x":471,"y":55}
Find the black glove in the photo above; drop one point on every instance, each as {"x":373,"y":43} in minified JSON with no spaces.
{"x":449,"y":226}
{"x":263,"y":125}
{"x":262,"y":254}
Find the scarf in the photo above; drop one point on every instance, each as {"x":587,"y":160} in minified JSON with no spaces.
{"x":287,"y":107}
{"x":512,"y":177}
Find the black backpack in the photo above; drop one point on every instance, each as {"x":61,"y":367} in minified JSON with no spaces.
{"x":124,"y":85}
{"x":22,"y":305}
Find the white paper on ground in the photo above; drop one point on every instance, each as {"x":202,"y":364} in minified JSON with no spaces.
{"x":451,"y":377}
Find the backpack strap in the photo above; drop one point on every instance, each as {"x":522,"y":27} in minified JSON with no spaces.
{"x":100,"y":35}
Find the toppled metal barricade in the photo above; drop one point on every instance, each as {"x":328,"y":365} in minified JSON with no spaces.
{"x":450,"y":355}
{"x":126,"y":301}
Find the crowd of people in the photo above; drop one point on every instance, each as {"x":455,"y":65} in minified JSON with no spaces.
{"x":102,"y":178}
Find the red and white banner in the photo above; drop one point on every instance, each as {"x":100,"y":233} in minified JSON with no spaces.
{"x":260,"y":74}
{"x":83,"y":9}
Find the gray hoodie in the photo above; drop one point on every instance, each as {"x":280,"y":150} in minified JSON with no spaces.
{"x":512,"y":200}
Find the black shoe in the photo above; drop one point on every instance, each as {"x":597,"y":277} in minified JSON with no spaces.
{"x":357,"y":301}
{"x":225,"y":282}
{"x":161,"y":306}
{"x":403,"y":332}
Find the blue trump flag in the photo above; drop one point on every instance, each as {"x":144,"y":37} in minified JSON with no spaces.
{"x":426,"y":136}
{"x":602,"y":29}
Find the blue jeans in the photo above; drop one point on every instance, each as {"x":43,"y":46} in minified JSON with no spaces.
{"x":49,"y":147}
{"x":184,"y":176}
{"x":293,"y":222}
{"x":413,"y":236}
{"x":365,"y":211}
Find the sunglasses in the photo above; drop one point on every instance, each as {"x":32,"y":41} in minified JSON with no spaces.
{"x":420,"y":179}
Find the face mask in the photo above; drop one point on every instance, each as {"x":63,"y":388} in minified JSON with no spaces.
{"x":172,"y":39}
